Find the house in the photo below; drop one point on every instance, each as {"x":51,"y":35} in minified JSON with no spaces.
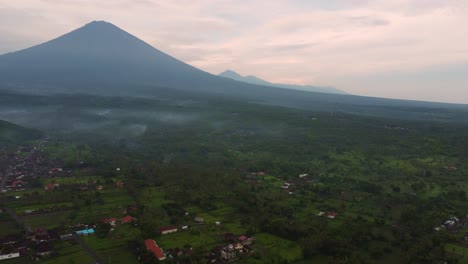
{"x":66,"y":237}
{"x":99,"y":188}
{"x":185,"y":227}
{"x":120,"y":184}
{"x":303,"y":175}
{"x":229,"y":237}
{"x":127,"y":219}
{"x":199,"y":220}
{"x":44,"y":248}
{"x":243,"y":238}
{"x":51,"y":186}
{"x":85,"y":232}
{"x":228,"y":253}
{"x":41,"y":237}
{"x":53,"y":234}
{"x":167,"y":230}
{"x":261,"y":173}
{"x":111,"y":220}
{"x":9,"y":255}
{"x":17,"y":184}
{"x":332,"y":214}
{"x":155,"y":249}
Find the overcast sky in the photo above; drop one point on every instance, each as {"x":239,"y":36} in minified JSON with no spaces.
{"x":411,"y":49}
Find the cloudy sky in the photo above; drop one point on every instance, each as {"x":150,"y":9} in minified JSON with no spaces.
{"x":411,"y":49}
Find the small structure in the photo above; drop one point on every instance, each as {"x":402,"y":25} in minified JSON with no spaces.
{"x":332,"y":214}
{"x":243,"y":238}
{"x":167,"y":230}
{"x":127,"y":219}
{"x":111,"y":220}
{"x":66,"y":237}
{"x":51,"y":186}
{"x":199,"y":220}
{"x":85,"y":232}
{"x":9,"y":255}
{"x":44,"y":248}
{"x":303,"y":175}
{"x":155,"y":249}
{"x":228,"y":253}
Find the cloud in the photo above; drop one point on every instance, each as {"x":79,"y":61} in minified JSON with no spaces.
{"x":325,"y":42}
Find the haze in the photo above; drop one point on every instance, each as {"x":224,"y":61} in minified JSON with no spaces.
{"x":394,"y":49}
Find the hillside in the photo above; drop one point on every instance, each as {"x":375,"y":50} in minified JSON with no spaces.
{"x":255,"y":80}
{"x":100,"y":58}
{"x":11,"y":133}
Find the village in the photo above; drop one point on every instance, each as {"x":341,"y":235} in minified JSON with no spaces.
{"x":30,"y":172}
{"x":51,"y":209}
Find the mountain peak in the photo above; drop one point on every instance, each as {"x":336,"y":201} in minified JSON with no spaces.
{"x":100,"y":24}
{"x":230,"y":74}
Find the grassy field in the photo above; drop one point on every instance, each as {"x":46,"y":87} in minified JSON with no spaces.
{"x":50,"y":220}
{"x":274,"y":249}
{"x":7,"y":225}
{"x":112,"y":248}
{"x":112,"y":205}
{"x":68,"y":253}
{"x":458,"y":250}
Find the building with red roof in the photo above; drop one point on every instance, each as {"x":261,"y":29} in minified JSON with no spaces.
{"x":155,"y":249}
{"x":111,"y":220}
{"x":127,"y":219}
{"x":243,"y":238}
{"x":332,"y":215}
{"x":167,"y":230}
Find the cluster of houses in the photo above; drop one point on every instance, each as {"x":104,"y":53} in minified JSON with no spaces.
{"x":236,"y":247}
{"x":36,"y":244}
{"x":170,"y":253}
{"x":174,"y":229}
{"x":453,"y":224}
{"x":329,"y":214}
{"x":124,"y":220}
{"x":27,"y":164}
{"x":291,"y":186}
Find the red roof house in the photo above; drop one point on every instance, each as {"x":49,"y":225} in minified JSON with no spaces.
{"x":109,"y":220}
{"x":243,"y":238}
{"x":167,"y":230}
{"x":127,"y":219}
{"x":332,"y":215}
{"x":155,"y":249}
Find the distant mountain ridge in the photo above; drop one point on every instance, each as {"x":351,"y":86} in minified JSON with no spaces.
{"x":254,"y":80}
{"x":100,"y":58}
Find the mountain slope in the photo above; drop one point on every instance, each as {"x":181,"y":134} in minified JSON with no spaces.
{"x":254,"y":80}
{"x":11,"y":133}
{"x":100,"y":53}
{"x":100,"y":58}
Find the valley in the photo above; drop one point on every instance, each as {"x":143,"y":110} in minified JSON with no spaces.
{"x":367,"y":199}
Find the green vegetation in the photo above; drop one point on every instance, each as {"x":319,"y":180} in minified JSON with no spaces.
{"x":390,"y":180}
